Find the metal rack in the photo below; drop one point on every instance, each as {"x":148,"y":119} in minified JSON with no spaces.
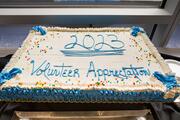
{"x":86,"y":115}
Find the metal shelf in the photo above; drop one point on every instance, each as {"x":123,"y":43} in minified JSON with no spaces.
{"x":83,"y":15}
{"x":62,"y":16}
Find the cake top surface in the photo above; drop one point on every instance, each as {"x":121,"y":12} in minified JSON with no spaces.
{"x":88,"y":58}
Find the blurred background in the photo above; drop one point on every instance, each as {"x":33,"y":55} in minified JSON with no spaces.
{"x":159,"y":18}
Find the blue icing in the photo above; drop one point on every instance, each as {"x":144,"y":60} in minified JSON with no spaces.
{"x":92,"y":47}
{"x":65,"y":95}
{"x":48,"y":70}
{"x":39,"y":29}
{"x":123,"y":73}
{"x":168,"y":80}
{"x":4,"y":76}
{"x":136,"y":30}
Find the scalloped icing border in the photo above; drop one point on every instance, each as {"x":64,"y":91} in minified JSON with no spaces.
{"x":79,"y":96}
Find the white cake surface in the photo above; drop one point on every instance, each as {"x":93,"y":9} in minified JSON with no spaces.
{"x":87,"y":58}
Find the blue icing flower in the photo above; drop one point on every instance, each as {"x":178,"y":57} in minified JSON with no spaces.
{"x":111,"y":92}
{"x":77,"y":92}
{"x":136,"y":30}
{"x":13,"y":72}
{"x":106,"y":91}
{"x":4,"y":76}
{"x":168,"y":80}
{"x":39,"y":29}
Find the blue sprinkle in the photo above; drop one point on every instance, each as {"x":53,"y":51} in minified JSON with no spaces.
{"x":55,"y":91}
{"x":111,"y":91}
{"x":106,"y":92}
{"x":101,"y":92}
{"x":76,"y":92}
{"x":25,"y":91}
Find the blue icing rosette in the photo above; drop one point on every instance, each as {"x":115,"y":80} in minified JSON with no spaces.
{"x":4,"y":76}
{"x":136,"y":30}
{"x":168,"y":80}
{"x":39,"y":29}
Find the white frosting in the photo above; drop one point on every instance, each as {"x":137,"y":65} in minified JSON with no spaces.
{"x":139,"y":52}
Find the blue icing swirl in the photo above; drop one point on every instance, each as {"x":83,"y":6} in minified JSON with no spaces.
{"x":136,"y":30}
{"x":168,"y":80}
{"x":39,"y":29}
{"x":4,"y":76}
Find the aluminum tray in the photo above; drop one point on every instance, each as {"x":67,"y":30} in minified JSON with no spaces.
{"x":85,"y":115}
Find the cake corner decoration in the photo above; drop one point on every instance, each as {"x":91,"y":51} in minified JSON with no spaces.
{"x":169,"y":80}
{"x":39,"y":29}
{"x":135,"y":30}
{"x":4,"y":76}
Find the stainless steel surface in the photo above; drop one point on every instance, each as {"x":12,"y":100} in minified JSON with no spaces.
{"x":84,"y":11}
{"x":80,"y":3}
{"x":85,"y":115}
{"x":175,"y":67}
{"x":81,"y":16}
{"x":7,"y":51}
{"x":84,"y":15}
{"x":170,"y":51}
